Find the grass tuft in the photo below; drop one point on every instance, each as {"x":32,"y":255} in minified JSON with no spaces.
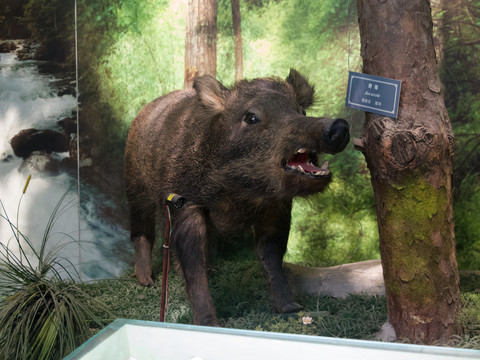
{"x":42,"y":315}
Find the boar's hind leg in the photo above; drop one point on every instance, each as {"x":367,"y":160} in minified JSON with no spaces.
{"x":189,"y":238}
{"x":271,"y":236}
{"x":143,"y":236}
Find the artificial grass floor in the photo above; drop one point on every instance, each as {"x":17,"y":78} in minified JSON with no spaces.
{"x":242,"y":301}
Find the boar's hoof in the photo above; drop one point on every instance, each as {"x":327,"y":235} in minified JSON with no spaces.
{"x":291,"y":308}
{"x":143,"y":278}
{"x":143,"y":260}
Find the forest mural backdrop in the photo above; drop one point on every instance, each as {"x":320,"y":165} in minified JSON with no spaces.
{"x":69,"y":135}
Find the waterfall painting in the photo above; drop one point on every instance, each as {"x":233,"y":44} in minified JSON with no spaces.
{"x":48,"y":175}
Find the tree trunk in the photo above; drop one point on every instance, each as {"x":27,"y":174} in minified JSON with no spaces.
{"x":410,"y":162}
{"x":237,"y":37}
{"x":201,"y":40}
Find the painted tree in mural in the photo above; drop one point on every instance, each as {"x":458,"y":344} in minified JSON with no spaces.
{"x":410,"y":162}
{"x":237,"y":38}
{"x":201,"y":40}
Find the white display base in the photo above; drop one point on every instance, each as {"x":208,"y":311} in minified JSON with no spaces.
{"x":145,"y":340}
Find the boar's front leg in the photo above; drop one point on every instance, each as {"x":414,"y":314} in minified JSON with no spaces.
{"x":271,"y":236}
{"x":143,"y":236}
{"x":189,"y":238}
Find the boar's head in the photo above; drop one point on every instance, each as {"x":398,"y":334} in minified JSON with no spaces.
{"x":262,"y":143}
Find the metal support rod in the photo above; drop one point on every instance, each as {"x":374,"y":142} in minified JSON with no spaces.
{"x":166,"y":265}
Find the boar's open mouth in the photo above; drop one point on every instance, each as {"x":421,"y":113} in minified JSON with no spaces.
{"x":304,"y":162}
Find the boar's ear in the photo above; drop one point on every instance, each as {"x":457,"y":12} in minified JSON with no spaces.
{"x":303,"y":90}
{"x":211,"y":93}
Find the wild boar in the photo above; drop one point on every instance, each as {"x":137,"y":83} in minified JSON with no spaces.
{"x":239,"y":156}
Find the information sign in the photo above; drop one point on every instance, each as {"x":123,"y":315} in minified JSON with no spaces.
{"x":373,"y":94}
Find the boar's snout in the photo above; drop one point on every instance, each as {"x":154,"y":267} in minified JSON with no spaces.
{"x":336,"y":137}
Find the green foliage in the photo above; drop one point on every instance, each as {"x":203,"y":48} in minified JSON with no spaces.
{"x":324,"y":45}
{"x":338,"y":226}
{"x":469,"y":316}
{"x":461,"y":61}
{"x":142,"y":50}
{"x":139,"y":56}
{"x":131,"y":52}
{"x":460,"y":74}
{"x":11,"y":24}
{"x":469,"y":281}
{"x":467,"y":226}
{"x":51,"y":22}
{"x":42,"y":316}
{"x":146,"y":58}
{"x":98,"y":30}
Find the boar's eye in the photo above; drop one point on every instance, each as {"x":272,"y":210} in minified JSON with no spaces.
{"x":251,"y":118}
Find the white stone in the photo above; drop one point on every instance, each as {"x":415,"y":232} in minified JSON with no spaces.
{"x":361,"y":278}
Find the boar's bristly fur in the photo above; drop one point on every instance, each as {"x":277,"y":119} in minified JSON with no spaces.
{"x":239,"y":156}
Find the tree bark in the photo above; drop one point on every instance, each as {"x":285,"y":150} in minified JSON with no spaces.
{"x":410,"y":162}
{"x":201,"y":40}
{"x":237,"y":37}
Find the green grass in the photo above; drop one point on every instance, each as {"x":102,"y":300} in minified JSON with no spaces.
{"x":469,"y":317}
{"x":242,"y":302}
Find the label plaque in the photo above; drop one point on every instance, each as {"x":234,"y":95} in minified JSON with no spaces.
{"x":373,"y":94}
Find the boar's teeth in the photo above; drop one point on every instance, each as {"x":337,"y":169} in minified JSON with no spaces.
{"x":322,"y":173}
{"x":325,"y":165}
{"x":300,"y":168}
{"x":302,"y":150}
